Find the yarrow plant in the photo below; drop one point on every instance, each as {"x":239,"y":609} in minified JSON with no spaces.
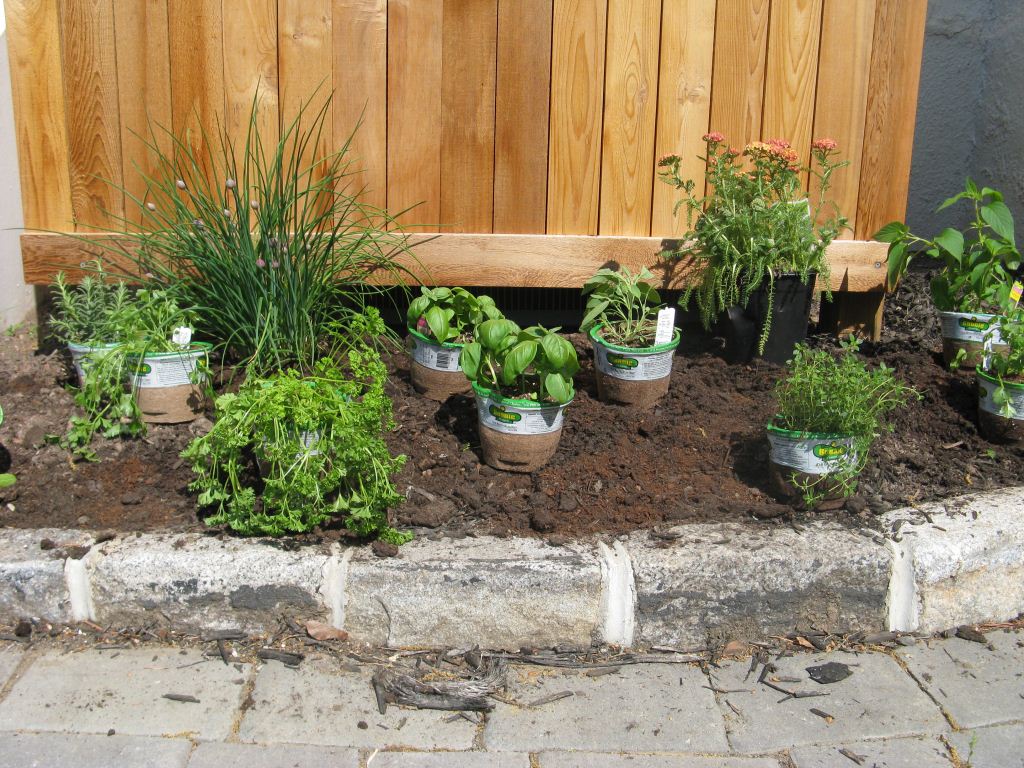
{"x":756,"y":222}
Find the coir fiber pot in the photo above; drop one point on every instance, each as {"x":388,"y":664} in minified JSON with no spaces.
{"x":82,"y":356}
{"x":435,"y":370}
{"x":966,"y":331}
{"x":808,"y":459}
{"x":790,"y":311}
{"x":517,"y":435}
{"x":637,"y":376}
{"x":167,"y":385}
{"x":993,"y":424}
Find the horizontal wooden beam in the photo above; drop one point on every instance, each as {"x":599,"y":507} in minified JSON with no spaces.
{"x":515,"y":261}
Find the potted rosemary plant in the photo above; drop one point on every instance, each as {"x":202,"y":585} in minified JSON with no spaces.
{"x":632,"y":355}
{"x":1001,"y":384}
{"x":440,"y":322}
{"x":830,"y":410}
{"x":973,"y":286}
{"x":757,"y":241}
{"x":522,"y":379}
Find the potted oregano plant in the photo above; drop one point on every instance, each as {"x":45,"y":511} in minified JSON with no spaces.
{"x":1001,"y":384}
{"x":522,"y":378}
{"x":633,"y":363}
{"x":973,"y":286}
{"x":440,"y":322}
{"x":830,"y":410}
{"x":757,"y":241}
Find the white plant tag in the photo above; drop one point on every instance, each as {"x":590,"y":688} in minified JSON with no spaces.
{"x":182,"y":336}
{"x":666,"y":326}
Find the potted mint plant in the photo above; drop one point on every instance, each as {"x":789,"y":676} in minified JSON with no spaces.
{"x":633,"y":364}
{"x":757,"y":241}
{"x":522,"y":379}
{"x":440,"y":322}
{"x":973,"y":286}
{"x":1001,"y":384}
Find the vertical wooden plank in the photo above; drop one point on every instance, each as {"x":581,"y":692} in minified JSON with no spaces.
{"x":843,"y":72}
{"x":630,"y":116}
{"x":361,"y":77}
{"x":794,"y":39}
{"x":521,"y":116}
{"x":891,"y":111}
{"x":741,"y":38}
{"x":577,"y":105}
{"x":250,"y":73}
{"x":144,"y":92}
{"x":684,"y":100}
{"x":90,"y":90}
{"x":305,"y":59}
{"x":414,"y":110}
{"x":196,"y":42}
{"x":469,"y":43}
{"x":33,"y":39}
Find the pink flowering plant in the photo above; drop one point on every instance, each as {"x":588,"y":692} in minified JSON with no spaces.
{"x":756,"y":222}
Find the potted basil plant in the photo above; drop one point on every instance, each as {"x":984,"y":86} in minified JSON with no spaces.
{"x":522,"y":378}
{"x":758,"y":242}
{"x":830,"y":410}
{"x":440,"y":322}
{"x":973,"y":286}
{"x":1001,"y":384}
{"x":633,"y":366}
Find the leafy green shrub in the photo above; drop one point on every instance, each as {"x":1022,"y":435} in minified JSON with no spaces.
{"x":1008,"y":364}
{"x":449,"y":314}
{"x":96,"y":311}
{"x":624,"y":304}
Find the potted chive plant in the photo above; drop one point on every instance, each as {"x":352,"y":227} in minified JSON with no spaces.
{"x":522,"y":379}
{"x":758,"y":242}
{"x":440,"y":322}
{"x":1001,"y":384}
{"x":830,"y":410}
{"x":633,"y":365}
{"x":973,"y":286}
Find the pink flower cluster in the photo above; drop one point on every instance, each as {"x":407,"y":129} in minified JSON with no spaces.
{"x":714,"y":137}
{"x":824,"y":145}
{"x":773,"y":149}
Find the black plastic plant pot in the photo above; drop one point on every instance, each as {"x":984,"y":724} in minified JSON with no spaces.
{"x":742,"y":326}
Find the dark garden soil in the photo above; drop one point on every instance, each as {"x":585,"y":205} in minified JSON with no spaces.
{"x":700,"y":455}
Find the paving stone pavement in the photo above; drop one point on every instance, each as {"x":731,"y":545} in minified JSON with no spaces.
{"x":920,"y":707}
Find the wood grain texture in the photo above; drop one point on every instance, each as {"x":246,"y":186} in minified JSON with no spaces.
{"x":792,"y":74}
{"x":891,"y":110}
{"x":509,"y":260}
{"x":33,"y":40}
{"x":94,"y":134}
{"x":521,"y":116}
{"x":469,"y":49}
{"x":843,"y":71}
{"x":361,"y":93}
{"x":630,"y":116}
{"x":577,"y":104}
{"x":414,"y":111}
{"x":741,"y":43}
{"x":145,"y":108}
{"x":684,"y":100}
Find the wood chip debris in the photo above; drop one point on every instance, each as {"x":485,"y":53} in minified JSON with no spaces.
{"x":549,"y":699}
{"x":411,"y":687}
{"x":823,"y":715}
{"x":182,"y":697}
{"x":851,"y":755}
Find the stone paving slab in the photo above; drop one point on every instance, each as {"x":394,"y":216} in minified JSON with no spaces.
{"x":43,"y":750}
{"x":889,"y":753}
{"x":94,"y":691}
{"x":878,"y":700}
{"x":449,"y":760}
{"x":649,"y":708}
{"x":321,"y":703}
{"x":220,"y":755}
{"x":10,"y":656}
{"x":594,"y":760}
{"x":999,"y":746}
{"x":977,"y":686}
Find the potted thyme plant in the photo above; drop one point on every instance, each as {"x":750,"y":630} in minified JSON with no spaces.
{"x":830,"y":410}
{"x":440,"y":322}
{"x":757,"y":241}
{"x":522,"y":379}
{"x":621,"y":319}
{"x":973,"y":286}
{"x":1001,"y":384}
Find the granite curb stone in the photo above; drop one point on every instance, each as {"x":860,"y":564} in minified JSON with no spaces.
{"x":32,"y":582}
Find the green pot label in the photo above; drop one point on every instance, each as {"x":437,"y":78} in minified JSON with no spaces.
{"x":172,"y":370}
{"x":504,"y":415}
{"x":622,"y":362}
{"x":830,"y":451}
{"x":436,"y":357}
{"x":633,"y":366}
{"x":142,"y":369}
{"x":513,"y":420}
{"x":812,"y":456}
{"x":959,"y":326}
{"x":978,"y":326}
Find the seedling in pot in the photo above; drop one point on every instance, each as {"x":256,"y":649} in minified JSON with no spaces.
{"x":6,"y":479}
{"x":625,"y":305}
{"x":449,"y":315}
{"x":1001,"y":383}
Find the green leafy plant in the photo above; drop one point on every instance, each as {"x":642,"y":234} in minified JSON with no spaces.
{"x":838,"y":395}
{"x":528,"y":363}
{"x":291,"y":451}
{"x":6,"y":478}
{"x":449,"y":315}
{"x":96,"y":311}
{"x":1008,"y":364}
{"x":978,"y":262}
{"x":755,"y":223}
{"x":624,"y":304}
